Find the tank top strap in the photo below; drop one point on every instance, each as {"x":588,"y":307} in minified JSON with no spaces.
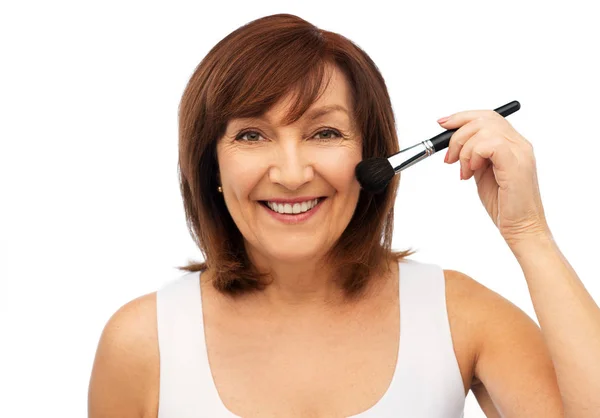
{"x":427,"y":366}
{"x":186,"y":384}
{"x":427,"y":381}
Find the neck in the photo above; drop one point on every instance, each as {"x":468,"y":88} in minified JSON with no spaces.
{"x":302,"y":284}
{"x":305,"y":285}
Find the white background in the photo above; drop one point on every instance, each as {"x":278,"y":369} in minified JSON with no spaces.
{"x":91,"y":215}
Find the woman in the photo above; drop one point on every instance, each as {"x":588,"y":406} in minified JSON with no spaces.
{"x":302,"y":309}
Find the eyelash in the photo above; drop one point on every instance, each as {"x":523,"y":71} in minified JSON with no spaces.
{"x":335,"y":131}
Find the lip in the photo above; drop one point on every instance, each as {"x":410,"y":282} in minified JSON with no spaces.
{"x":294,"y":200}
{"x":290,"y":218}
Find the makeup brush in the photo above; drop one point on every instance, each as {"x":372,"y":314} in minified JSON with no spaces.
{"x":374,"y":174}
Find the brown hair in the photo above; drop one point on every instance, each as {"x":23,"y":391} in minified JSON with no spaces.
{"x":245,"y":74}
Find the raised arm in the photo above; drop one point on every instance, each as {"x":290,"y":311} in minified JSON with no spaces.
{"x":513,"y":373}
{"x":570,"y":323}
{"x":503,"y":165}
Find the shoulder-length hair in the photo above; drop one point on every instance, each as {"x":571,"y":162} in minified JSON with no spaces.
{"x":245,"y":74}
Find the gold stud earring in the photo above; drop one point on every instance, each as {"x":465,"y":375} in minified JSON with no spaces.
{"x":220,"y":189}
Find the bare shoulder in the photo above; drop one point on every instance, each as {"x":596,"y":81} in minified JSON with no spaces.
{"x":487,"y":312}
{"x":513,"y":374}
{"x":126,"y":366}
{"x":467,"y":298}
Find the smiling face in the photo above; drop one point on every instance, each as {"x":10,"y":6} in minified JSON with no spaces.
{"x":271,"y":175}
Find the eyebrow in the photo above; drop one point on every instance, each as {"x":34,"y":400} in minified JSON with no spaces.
{"x":315,"y":113}
{"x":318,"y":112}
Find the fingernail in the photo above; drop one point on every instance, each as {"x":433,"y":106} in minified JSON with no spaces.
{"x":446,"y":157}
{"x":442,"y":120}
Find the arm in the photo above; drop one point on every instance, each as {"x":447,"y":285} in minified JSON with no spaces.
{"x":568,"y":316}
{"x":125,"y":371}
{"x":570,"y":322}
{"x":513,"y":372}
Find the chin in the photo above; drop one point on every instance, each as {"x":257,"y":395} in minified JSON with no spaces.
{"x":293,"y":254}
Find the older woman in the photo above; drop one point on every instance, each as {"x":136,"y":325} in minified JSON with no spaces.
{"x":301,"y":308}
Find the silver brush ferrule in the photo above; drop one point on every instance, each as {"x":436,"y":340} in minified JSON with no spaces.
{"x":412,"y":155}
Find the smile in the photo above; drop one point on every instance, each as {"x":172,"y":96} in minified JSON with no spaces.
{"x":293,"y":208}
{"x":293,"y":212}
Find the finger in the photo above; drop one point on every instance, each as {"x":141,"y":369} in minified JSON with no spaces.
{"x":459,"y":119}
{"x":461,"y":137}
{"x":496,"y":149}
{"x":477,"y":162}
{"x":469,"y":161}
{"x":483,"y":167}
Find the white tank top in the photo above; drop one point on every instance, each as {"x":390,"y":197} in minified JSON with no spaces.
{"x":426,"y":384}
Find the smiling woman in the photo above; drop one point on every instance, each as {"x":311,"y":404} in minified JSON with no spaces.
{"x":301,"y":308}
{"x":267,"y":180}
{"x":286,"y":124}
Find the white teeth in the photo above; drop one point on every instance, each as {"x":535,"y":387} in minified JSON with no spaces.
{"x":295,"y":208}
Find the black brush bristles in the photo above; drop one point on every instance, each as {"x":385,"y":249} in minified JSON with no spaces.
{"x":374,"y":174}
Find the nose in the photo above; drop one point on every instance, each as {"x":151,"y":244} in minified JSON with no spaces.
{"x":292,"y":167}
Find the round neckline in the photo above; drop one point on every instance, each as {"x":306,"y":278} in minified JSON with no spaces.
{"x":372,"y":409}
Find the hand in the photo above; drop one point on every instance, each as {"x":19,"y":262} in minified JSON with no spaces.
{"x":503,"y":164}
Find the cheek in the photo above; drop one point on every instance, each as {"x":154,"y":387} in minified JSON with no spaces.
{"x":337,"y":167}
{"x":240,"y":171}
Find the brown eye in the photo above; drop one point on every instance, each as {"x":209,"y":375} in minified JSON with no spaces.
{"x":328,"y":134}
{"x":253,"y":136}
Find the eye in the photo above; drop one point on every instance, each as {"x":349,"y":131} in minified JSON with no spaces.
{"x":252,"y":137}
{"x":329,"y":133}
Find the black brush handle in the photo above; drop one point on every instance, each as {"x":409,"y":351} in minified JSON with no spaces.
{"x":442,"y":140}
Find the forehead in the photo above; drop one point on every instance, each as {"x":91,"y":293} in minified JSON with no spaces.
{"x":335,"y":100}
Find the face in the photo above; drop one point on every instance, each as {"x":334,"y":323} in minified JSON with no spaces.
{"x":291,"y":190}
